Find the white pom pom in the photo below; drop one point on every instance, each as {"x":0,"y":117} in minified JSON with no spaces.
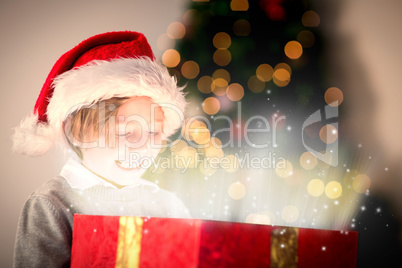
{"x":32,"y":138}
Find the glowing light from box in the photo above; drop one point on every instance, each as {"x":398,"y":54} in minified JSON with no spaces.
{"x":333,"y":190}
{"x":258,"y":219}
{"x":290,"y":214}
{"x":237,"y":190}
{"x":207,"y":168}
{"x":361,"y":183}
{"x":316,"y":187}
{"x":308,"y":160}
{"x":284,"y":170}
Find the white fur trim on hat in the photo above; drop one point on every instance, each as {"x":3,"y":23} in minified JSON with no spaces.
{"x":101,"y":80}
{"x":32,"y":138}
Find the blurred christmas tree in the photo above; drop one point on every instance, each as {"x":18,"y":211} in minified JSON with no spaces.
{"x":253,"y":71}
{"x":264,"y":54}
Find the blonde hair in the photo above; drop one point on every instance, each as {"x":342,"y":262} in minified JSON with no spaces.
{"x":84,"y":125}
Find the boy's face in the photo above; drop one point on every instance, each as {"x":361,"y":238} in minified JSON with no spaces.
{"x":132,"y":144}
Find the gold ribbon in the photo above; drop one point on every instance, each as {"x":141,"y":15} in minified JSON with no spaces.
{"x":129,"y":242}
{"x":284,"y":247}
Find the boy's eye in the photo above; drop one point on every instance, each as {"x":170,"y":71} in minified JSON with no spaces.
{"x":153,"y":133}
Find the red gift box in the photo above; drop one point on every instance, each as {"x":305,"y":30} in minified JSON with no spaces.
{"x":120,"y":241}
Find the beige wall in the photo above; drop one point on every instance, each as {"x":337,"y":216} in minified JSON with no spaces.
{"x":364,"y":53}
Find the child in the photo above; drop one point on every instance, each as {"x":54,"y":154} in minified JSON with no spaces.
{"x":113,"y":104}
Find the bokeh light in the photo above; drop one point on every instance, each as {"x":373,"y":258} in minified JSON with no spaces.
{"x":328,"y":134}
{"x":333,"y":190}
{"x":189,"y":127}
{"x":281,"y":77}
{"x":171,"y":58}
{"x":189,"y":16}
{"x":187,"y":158}
{"x":290,"y":214}
{"x":315,"y":187}
{"x":310,"y":19}
{"x":255,"y":85}
{"x":201,"y":135}
{"x":239,"y":5}
{"x":222,"y":40}
{"x":293,"y":50}
{"x":235,"y":92}
{"x":222,"y":57}
{"x":221,"y":73}
{"x":190,"y":69}
{"x":306,"y":38}
{"x":241,"y":27}
{"x":164,"y":42}
{"x":213,"y":151}
{"x":216,"y":142}
{"x":204,"y":84}
{"x":176,"y":30}
{"x":361,"y":183}
{"x":265,"y":72}
{"x":333,"y":96}
{"x":236,"y":190}
{"x":230,"y":163}
{"x":284,"y":169}
{"x":308,"y":160}
{"x":211,"y":105}
{"x":219,"y":86}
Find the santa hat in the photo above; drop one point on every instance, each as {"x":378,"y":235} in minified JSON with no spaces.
{"x":114,"y":64}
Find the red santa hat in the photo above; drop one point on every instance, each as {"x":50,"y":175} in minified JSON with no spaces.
{"x":114,"y":64}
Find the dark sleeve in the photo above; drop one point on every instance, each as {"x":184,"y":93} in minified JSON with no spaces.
{"x":44,"y":234}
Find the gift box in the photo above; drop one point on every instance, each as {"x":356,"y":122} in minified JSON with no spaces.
{"x":120,"y":241}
